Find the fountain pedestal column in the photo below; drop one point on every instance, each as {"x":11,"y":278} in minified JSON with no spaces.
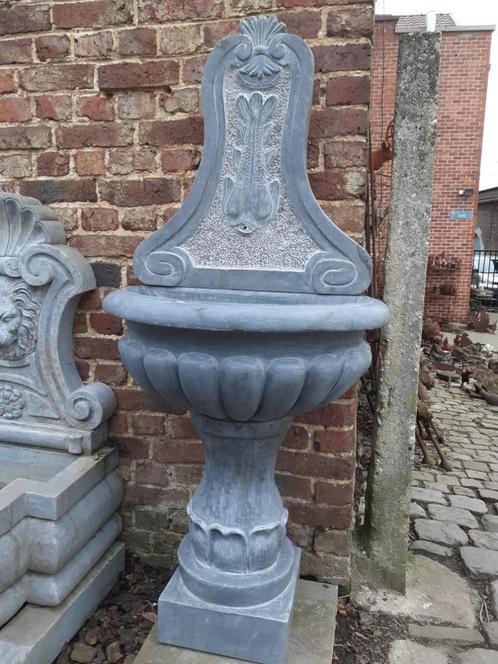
{"x":237,"y":569}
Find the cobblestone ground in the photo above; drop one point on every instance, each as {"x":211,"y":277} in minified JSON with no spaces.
{"x":455,"y":519}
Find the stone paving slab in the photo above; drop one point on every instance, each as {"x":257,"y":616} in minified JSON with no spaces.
{"x":480,"y":563}
{"x":477,"y":656}
{"x":453,"y":515}
{"x":444,"y":634}
{"x":410,"y":652}
{"x":440,"y":532}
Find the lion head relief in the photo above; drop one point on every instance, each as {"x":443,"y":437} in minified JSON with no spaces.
{"x":18,"y":319}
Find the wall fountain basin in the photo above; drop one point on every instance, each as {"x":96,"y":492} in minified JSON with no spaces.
{"x":252,"y":310}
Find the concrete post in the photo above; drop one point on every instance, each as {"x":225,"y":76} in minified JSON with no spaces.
{"x":388,"y":491}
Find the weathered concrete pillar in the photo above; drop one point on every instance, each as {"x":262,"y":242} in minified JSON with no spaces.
{"x":388,"y":493}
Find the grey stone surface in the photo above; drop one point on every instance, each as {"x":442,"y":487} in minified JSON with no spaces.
{"x":445,"y":634}
{"x":414,"y":139}
{"x":41,"y":280}
{"x":245,"y":333}
{"x":431,"y":547}
{"x":453,"y":515}
{"x":311,"y":636}
{"x":410,"y":652}
{"x":484,"y":540}
{"x":37,"y":634}
{"x":477,"y":656}
{"x":491,"y":630}
{"x":422,"y":495}
{"x":490,"y":522}
{"x":480,"y":563}
{"x":417,"y":511}
{"x":493,"y":592}
{"x":488,"y":494}
{"x":434,"y":595}
{"x":471,"y":504}
{"x":440,"y":532}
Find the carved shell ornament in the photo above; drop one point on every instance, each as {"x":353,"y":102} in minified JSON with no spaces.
{"x":251,"y":221}
{"x":261,"y":56}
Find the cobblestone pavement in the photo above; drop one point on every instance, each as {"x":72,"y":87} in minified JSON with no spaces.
{"x":455,"y":520}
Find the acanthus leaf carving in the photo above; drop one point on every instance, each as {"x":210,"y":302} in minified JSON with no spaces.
{"x":250,"y":201}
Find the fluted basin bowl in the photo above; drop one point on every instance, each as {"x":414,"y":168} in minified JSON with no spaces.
{"x":240,"y":355}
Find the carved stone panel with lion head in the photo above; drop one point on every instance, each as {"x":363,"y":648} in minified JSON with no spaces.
{"x":43,"y":400}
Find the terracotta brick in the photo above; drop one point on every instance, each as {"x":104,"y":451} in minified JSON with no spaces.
{"x":334,"y":494}
{"x":179,"y":39}
{"x":148,"y":424}
{"x":172,"y":132}
{"x":339,"y":154}
{"x":101,"y":246}
{"x":52,"y":47}
{"x":215,"y":31}
{"x":291,"y":486}
{"x":25,"y":137}
{"x":178,"y":10}
{"x":57,"y":77}
{"x":54,"y":164}
{"x":348,"y":90}
{"x":350,"y":21}
{"x":137,"y":41}
{"x":15,"y":165}
{"x":342,"y":57}
{"x":90,"y":162}
{"x":181,"y":452}
{"x":297,"y":438}
{"x":111,"y":374}
{"x":316,"y":515}
{"x":332,"y":415}
{"x":7,"y":83}
{"x":140,"y":219}
{"x":314,"y":465}
{"x":18,"y":18}
{"x":193,"y":68}
{"x":98,"y":45}
{"x":58,"y":191}
{"x":338,"y":122}
{"x":306,"y":24}
{"x":133,"y":193}
{"x":126,"y":161}
{"x":348,"y":215}
{"x":335,"y":441}
{"x":184,"y":100}
{"x":339,"y":183}
{"x":15,"y":109}
{"x":94,"y":135}
{"x":53,"y":107}
{"x":103,"y":323}
{"x":179,"y":160}
{"x":136,"y":105}
{"x":338,"y":542}
{"x":96,"y":108}
{"x":15,"y":51}
{"x":319,"y":3}
{"x":68,"y":217}
{"x":99,"y":219}
{"x":92,"y":14}
{"x":133,"y":75}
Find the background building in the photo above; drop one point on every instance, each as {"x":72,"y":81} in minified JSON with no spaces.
{"x":463,"y":79}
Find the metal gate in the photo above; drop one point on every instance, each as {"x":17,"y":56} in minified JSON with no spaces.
{"x":485,"y":278}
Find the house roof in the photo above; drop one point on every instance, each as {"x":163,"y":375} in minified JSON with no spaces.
{"x":488,"y":195}
{"x":418,"y":23}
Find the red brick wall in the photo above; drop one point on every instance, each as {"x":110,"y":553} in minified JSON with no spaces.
{"x":462,"y":94}
{"x":99,"y":116}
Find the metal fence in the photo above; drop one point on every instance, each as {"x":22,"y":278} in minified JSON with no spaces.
{"x":485,"y":278}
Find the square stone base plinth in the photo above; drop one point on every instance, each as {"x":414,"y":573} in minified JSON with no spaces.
{"x":311,"y":636}
{"x":37,"y":634}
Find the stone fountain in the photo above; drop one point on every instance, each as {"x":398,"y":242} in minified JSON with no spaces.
{"x":59,"y":487}
{"x":251,"y":312}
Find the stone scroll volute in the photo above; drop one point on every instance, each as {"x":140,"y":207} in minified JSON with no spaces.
{"x":43,"y":401}
{"x":251,"y":198}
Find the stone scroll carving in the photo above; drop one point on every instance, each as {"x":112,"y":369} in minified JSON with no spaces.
{"x":251,"y":221}
{"x":43,"y":401}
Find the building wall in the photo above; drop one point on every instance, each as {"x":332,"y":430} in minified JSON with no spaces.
{"x":488,"y":223}
{"x":100,"y":117}
{"x":463,"y":78}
